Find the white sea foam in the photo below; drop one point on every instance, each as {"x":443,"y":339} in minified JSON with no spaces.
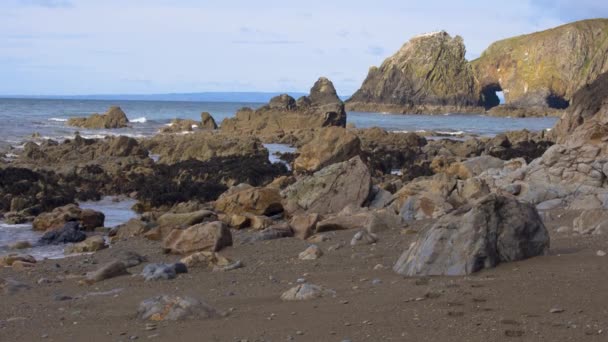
{"x":139,"y":120}
{"x":58,"y":119}
{"x":450,"y":133}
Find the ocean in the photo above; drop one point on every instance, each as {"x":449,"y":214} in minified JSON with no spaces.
{"x":20,"y":118}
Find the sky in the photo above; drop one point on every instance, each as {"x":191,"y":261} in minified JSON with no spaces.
{"x":75,"y":47}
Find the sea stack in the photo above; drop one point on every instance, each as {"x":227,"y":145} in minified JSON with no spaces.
{"x":429,"y":74}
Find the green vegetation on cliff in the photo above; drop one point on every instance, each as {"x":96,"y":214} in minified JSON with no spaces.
{"x":544,"y":68}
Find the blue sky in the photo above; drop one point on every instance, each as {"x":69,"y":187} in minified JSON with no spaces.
{"x":159,"y":46}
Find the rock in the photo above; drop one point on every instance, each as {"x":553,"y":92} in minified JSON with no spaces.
{"x":203,"y":146}
{"x":20,"y":245}
{"x":184,"y":220}
{"x":70,"y":233}
{"x":133,"y":227}
{"x":331,"y":145}
{"x":363,"y":238}
{"x":22,"y":265}
{"x":174,"y":308}
{"x":304,"y":225}
{"x":163,"y":271}
{"x":600,"y":253}
{"x":179,"y":126}
{"x":11,"y":286}
{"x":91,"y":244}
{"x":380,"y":198}
{"x":563,"y":229}
{"x":306,"y":291}
{"x":113,"y":118}
{"x":283,"y":114}
{"x":256,"y":201}
{"x":89,"y":219}
{"x":313,"y":252}
{"x":591,"y":222}
{"x":206,"y":259}
{"x":373,"y":221}
{"x":330,"y":189}
{"x":207,"y":121}
{"x":110,"y":270}
{"x":567,"y":54}
{"x":429,"y":74}
{"x":130,"y":259}
{"x":495,"y":229}
{"x":474,"y":166}
{"x":550,"y":204}
{"x":425,"y":198}
{"x":211,"y":236}
{"x":10,"y":259}
{"x":276,"y":231}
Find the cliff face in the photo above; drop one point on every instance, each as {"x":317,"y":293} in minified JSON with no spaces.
{"x":283,"y":113}
{"x":586,"y":120}
{"x":428,"y":74}
{"x":544,"y":69}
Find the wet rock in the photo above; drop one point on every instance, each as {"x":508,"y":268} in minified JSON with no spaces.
{"x":179,"y":126}
{"x":133,"y":227}
{"x":88,"y":219}
{"x":249,"y":200}
{"x":163,"y":271}
{"x":306,"y":291}
{"x":313,"y":252}
{"x":113,"y":118}
{"x":330,"y":190}
{"x":211,"y":236}
{"x":331,"y":145}
{"x":91,"y":244}
{"x":495,"y":229}
{"x":70,"y":233}
{"x":174,"y":308}
{"x":363,"y":238}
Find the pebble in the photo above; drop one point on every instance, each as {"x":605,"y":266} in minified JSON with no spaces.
{"x":601,"y":253}
{"x":299,"y":333}
{"x":556,"y":310}
{"x":376,"y":281}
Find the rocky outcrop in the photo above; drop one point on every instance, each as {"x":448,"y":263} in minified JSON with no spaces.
{"x":246,"y":199}
{"x":207,"y":121}
{"x":496,"y":229}
{"x":89,"y":219}
{"x":203,"y":146}
{"x":113,"y":118}
{"x":544,"y":69}
{"x":331,"y":145}
{"x":330,"y":190}
{"x":186,"y":125}
{"x":429,"y":74}
{"x":283,"y":113}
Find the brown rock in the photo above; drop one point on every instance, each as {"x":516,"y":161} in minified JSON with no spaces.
{"x":91,"y":244}
{"x":207,"y":121}
{"x":304,"y":225}
{"x":330,"y":145}
{"x":202,"y":237}
{"x":257,"y":201}
{"x":113,"y":118}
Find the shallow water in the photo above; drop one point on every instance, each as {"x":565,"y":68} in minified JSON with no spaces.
{"x":21,"y":118}
{"x":278,"y":148}
{"x":116,"y":214}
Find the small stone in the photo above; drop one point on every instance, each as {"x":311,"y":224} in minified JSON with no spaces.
{"x":313,"y":252}
{"x":556,"y":310}
{"x":299,"y":333}
{"x":379,"y":267}
{"x":600,"y":253}
{"x":306,"y":292}
{"x":564,"y":229}
{"x":376,"y":282}
{"x":363,"y":238}
{"x":174,"y":308}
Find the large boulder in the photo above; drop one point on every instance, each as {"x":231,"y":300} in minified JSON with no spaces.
{"x":245,"y":199}
{"x":495,"y":229}
{"x":321,"y":108}
{"x":113,"y":118}
{"x":211,"y":237}
{"x":331,"y":145}
{"x":207,"y":121}
{"x":429,"y":74}
{"x":543,"y":69}
{"x":330,"y":190}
